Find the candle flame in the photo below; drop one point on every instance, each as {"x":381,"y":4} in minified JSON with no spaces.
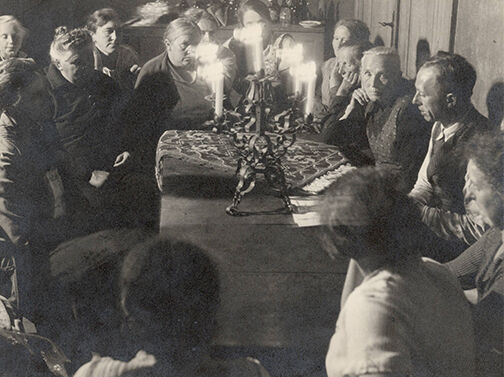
{"x":249,"y":34}
{"x":304,"y":72}
{"x":206,"y":52}
{"x":211,"y":72}
{"x":292,"y":56}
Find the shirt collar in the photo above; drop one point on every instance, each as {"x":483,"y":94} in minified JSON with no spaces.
{"x":446,"y":133}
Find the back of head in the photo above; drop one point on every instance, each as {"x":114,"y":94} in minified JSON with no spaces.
{"x":68,"y":41}
{"x":486,"y":150}
{"x":15,"y":74}
{"x":456,"y":75}
{"x":257,"y":6}
{"x":366,"y":206}
{"x":170,"y":291}
{"x":359,"y":32}
{"x":100,"y":17}
{"x":180,"y":26}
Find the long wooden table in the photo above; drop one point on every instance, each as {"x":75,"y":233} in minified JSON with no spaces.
{"x":279,"y":287}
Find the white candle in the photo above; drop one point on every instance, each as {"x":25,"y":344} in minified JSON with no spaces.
{"x":258,"y":55}
{"x":216,"y":73}
{"x":219,"y":94}
{"x":310,"y":92}
{"x":297,"y":86}
{"x":252,"y":36}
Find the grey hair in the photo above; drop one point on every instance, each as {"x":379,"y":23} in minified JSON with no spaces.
{"x":65,"y":41}
{"x":180,"y":26}
{"x":384,"y":51}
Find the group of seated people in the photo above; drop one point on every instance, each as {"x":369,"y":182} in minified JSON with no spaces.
{"x":77,"y":154}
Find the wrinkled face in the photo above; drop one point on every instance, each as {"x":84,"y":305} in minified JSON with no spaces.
{"x":77,"y":66}
{"x":36,"y":99}
{"x":252,"y":18}
{"x":429,"y":96}
{"x":348,"y":60}
{"x":341,"y":37}
{"x":11,"y":40}
{"x":379,"y":76}
{"x":487,"y":201}
{"x":181,"y":51}
{"x":208,"y":28}
{"x":105,"y":37}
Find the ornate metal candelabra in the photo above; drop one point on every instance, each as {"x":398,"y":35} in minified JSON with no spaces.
{"x":262,"y":139}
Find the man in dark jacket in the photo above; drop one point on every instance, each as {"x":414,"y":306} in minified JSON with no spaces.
{"x":444,"y":86}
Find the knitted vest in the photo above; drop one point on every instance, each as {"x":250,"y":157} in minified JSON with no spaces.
{"x":448,"y":163}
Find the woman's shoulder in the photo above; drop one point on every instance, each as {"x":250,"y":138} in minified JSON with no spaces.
{"x":329,"y":63}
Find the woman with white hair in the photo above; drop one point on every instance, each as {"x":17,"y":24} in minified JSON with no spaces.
{"x":12,"y":35}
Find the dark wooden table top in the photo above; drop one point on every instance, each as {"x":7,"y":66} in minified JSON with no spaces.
{"x":279,"y":287}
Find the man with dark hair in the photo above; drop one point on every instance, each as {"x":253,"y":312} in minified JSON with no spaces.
{"x":444,"y":87}
{"x":381,"y":118}
{"x":169,"y":296}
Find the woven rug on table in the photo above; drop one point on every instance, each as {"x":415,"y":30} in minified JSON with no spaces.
{"x":305,"y":160}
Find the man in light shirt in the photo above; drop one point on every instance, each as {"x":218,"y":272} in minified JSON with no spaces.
{"x":444,"y":86}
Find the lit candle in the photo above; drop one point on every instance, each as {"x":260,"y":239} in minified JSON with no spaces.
{"x":311,"y":76}
{"x":206,"y":52}
{"x":292,"y":58}
{"x":216,"y":73}
{"x":252,"y":35}
{"x":258,"y":55}
{"x":296,"y":74}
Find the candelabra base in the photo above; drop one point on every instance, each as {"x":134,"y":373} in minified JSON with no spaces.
{"x":272,"y":171}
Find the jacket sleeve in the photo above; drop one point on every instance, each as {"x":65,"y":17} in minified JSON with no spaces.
{"x":15,"y":211}
{"x":451,"y":226}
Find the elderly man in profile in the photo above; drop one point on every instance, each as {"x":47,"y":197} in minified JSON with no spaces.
{"x":444,"y":87}
{"x":382,"y":119}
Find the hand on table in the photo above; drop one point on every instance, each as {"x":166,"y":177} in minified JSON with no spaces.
{"x":98,"y":178}
{"x":121,"y":159}
{"x":135,"y":69}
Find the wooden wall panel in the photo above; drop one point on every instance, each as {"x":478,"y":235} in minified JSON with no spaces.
{"x":424,"y":27}
{"x":372,"y":12}
{"x":479,"y":37}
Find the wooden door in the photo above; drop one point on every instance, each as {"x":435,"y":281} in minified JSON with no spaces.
{"x":425,"y":27}
{"x":381,"y":18}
